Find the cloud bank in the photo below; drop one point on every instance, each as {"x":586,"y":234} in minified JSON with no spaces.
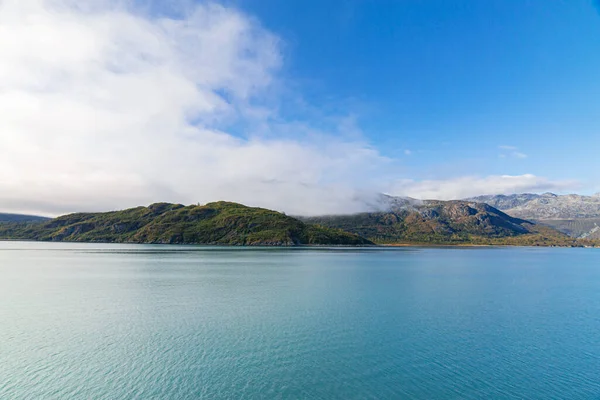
{"x":470,"y":186}
{"x":105,"y":107}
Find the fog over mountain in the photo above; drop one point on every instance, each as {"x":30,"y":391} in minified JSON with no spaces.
{"x":573,"y":214}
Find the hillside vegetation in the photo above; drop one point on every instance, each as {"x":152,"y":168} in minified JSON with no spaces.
{"x":21,"y":218}
{"x":225,"y":223}
{"x":214,"y":223}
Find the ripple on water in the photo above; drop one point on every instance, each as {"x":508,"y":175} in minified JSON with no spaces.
{"x":153,"y":322}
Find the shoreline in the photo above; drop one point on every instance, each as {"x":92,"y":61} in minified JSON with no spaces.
{"x":250,"y":246}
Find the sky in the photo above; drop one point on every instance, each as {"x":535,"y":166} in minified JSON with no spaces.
{"x":303,"y":106}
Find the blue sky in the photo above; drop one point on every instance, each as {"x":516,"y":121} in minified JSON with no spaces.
{"x":451,"y":81}
{"x":303,"y":106}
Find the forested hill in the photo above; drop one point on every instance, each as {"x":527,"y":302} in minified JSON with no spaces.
{"x":214,"y":223}
{"x":21,"y":218}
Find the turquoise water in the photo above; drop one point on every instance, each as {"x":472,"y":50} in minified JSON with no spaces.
{"x":89,"y":321}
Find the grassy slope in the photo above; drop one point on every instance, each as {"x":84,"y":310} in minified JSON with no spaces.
{"x":213,"y":223}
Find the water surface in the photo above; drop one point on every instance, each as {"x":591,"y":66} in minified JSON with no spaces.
{"x":89,"y":321}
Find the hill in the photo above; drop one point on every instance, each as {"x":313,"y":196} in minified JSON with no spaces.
{"x":21,"y":218}
{"x":214,"y":223}
{"x":445,"y":222}
{"x":575,"y":215}
{"x":584,"y":228}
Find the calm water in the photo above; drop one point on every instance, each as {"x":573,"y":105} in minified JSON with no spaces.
{"x":87,"y":321}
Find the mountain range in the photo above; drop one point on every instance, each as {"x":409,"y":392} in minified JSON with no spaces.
{"x":442,"y":222}
{"x":393,"y":220}
{"x":573,"y":214}
{"x":545,"y":206}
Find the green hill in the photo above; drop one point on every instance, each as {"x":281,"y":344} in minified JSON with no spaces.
{"x":21,"y":218}
{"x":446,"y":222}
{"x":214,"y":223}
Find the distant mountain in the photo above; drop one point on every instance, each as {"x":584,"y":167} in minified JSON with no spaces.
{"x":21,"y":218}
{"x":584,"y":228}
{"x":214,"y":223}
{"x":545,"y":206}
{"x":444,"y":222}
{"x":576,"y":215}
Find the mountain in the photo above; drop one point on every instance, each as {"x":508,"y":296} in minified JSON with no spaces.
{"x":575,"y":215}
{"x":584,"y":228}
{"x":214,"y":223}
{"x":21,"y":218}
{"x":545,"y":206}
{"x":444,"y":222}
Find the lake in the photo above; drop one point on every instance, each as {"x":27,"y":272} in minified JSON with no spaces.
{"x":93,"y":321}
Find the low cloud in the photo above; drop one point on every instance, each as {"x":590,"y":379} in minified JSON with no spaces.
{"x":469,"y":186}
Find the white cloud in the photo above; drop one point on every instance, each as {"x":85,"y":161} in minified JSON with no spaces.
{"x":105,"y":107}
{"x":469,"y":186}
{"x":511,"y":151}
